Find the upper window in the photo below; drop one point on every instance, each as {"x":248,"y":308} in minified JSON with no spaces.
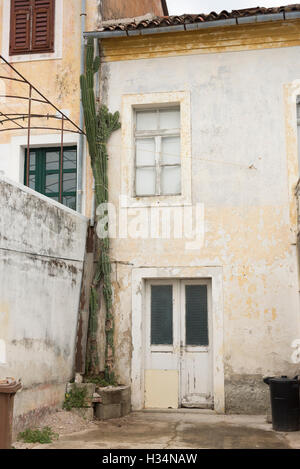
{"x":157,"y":152}
{"x":31,"y":26}
{"x":53,"y":176}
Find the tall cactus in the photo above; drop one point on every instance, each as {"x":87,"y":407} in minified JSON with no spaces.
{"x":99,"y":126}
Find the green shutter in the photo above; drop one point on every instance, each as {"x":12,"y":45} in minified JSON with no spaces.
{"x":161,"y":315}
{"x":196,"y":315}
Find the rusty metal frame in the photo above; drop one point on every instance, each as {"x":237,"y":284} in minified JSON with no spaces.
{"x":23,"y":121}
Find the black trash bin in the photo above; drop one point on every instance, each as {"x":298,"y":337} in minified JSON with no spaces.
{"x":285,"y":403}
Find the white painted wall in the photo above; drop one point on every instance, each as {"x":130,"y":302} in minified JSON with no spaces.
{"x":42,"y":246}
{"x":239,"y":158}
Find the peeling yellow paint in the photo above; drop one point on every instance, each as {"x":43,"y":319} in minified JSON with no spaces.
{"x":214,"y":40}
{"x":252,"y":289}
{"x":271,"y":312}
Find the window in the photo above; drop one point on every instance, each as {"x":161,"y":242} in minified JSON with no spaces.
{"x":165,"y":309}
{"x":51,"y":176}
{"x":196,"y":321}
{"x":31,"y":26}
{"x":161,"y":314}
{"x":157,"y":152}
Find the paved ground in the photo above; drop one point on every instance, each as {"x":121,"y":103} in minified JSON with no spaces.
{"x":180,"y":430}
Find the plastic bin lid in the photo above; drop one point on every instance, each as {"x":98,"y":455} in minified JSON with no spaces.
{"x":9,"y":385}
{"x":280,"y":379}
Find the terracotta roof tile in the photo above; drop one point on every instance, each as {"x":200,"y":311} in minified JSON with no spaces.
{"x":163,"y":21}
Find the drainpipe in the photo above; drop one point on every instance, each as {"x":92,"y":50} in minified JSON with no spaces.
{"x":81,"y":118}
{"x":97,"y":88}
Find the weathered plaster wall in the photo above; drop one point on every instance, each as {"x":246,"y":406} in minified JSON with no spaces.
{"x":111,"y":9}
{"x":42,"y":248}
{"x":240,"y":134}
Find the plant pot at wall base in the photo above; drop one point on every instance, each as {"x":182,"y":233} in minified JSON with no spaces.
{"x":285,"y":403}
{"x":115,"y":402}
{"x":8,"y":389}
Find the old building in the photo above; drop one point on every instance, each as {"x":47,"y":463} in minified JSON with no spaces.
{"x":209,"y":137}
{"x":203,"y":210}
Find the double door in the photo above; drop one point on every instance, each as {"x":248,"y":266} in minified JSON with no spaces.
{"x":178,"y":336}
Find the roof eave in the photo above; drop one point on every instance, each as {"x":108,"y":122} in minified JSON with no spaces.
{"x":194,"y":26}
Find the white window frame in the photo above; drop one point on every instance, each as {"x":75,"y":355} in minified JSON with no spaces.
{"x":15,"y":153}
{"x":58,"y":36}
{"x":158,"y":136}
{"x":131,"y":103}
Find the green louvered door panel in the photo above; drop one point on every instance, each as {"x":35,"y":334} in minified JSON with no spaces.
{"x":196,"y":315}
{"x":161,"y":315}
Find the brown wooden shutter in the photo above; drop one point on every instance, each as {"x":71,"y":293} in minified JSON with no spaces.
{"x":43,"y":25}
{"x":20,"y":20}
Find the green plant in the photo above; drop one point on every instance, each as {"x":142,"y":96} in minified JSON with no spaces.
{"x":99,"y":126}
{"x":99,"y":381}
{"x":76,"y":397}
{"x":34,"y":435}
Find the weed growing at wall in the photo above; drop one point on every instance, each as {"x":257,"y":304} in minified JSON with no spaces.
{"x":100,"y":382}
{"x":99,"y":124}
{"x":34,"y":435}
{"x":76,"y":397}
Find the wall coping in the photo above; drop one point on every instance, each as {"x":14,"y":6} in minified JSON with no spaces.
{"x":27,"y":190}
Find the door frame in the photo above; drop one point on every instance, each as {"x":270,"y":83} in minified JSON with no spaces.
{"x":139,"y":277}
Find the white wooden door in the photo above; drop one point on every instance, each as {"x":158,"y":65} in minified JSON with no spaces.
{"x":196,"y":374}
{"x":178,"y":368}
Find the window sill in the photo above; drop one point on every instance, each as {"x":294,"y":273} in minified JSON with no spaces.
{"x":157,"y":201}
{"x":33,"y":57}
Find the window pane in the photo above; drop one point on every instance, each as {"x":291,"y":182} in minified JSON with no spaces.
{"x":169,"y":119}
{"x":196,"y":315}
{"x":170,"y":147}
{"x":161,"y":315}
{"x":146,"y":120}
{"x":52,"y":183}
{"x":145,"y":152}
{"x":145,"y":181}
{"x":69,"y":182}
{"x":70,"y":159}
{"x":32,"y":161}
{"x":70,"y":201}
{"x":32,"y":181}
{"x":171,"y":180}
{"x":52,"y":161}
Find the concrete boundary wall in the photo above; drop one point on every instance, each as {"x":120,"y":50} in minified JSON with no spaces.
{"x":42,"y":247}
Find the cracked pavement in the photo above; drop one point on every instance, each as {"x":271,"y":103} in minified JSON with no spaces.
{"x":179,"y":430}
